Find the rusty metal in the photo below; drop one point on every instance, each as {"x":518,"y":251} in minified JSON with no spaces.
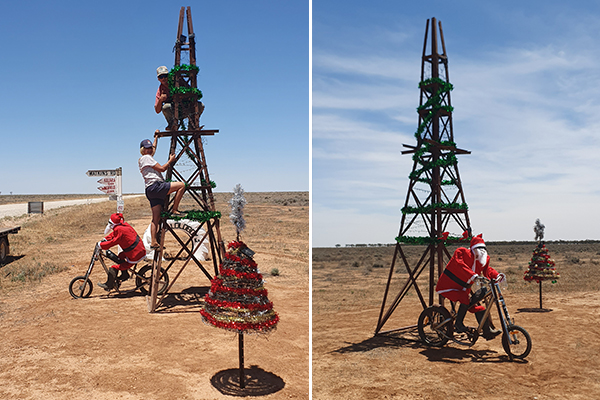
{"x":436,"y":135}
{"x":191,"y":146}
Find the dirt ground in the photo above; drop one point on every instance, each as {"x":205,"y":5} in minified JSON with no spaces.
{"x":350,"y":362}
{"x":111,"y":347}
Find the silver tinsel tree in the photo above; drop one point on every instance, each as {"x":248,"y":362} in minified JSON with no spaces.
{"x":237,"y":202}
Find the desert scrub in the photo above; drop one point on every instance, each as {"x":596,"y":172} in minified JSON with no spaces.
{"x":275,"y":272}
{"x":32,"y":272}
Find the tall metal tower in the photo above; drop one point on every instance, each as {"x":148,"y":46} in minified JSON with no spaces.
{"x":187,"y":145}
{"x":435,"y":212}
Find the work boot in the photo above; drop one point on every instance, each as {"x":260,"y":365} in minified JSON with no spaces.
{"x":492,"y":327}
{"x":459,"y":325}
{"x":124,"y":276}
{"x":487,"y":332}
{"x":110,"y":282}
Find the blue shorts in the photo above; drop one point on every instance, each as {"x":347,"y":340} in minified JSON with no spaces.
{"x":157,"y":193}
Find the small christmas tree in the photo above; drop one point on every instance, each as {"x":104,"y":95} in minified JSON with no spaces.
{"x":541,"y":267}
{"x":237,"y":300}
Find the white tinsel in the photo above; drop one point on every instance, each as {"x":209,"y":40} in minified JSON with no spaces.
{"x":237,"y":203}
{"x":538,"y":228}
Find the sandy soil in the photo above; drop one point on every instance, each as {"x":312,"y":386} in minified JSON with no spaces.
{"x":350,"y":362}
{"x":110,"y":347}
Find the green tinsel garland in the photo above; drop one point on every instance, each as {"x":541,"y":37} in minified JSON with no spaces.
{"x":196,"y":215}
{"x":434,"y":101}
{"x":445,"y":182}
{"x":423,"y":240}
{"x":212,"y":183}
{"x":445,"y":86}
{"x":186,"y":69}
{"x":445,"y":160}
{"x":434,"y":206}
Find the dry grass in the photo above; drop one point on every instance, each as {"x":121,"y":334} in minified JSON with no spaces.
{"x":42,"y":237}
{"x":577,"y":263}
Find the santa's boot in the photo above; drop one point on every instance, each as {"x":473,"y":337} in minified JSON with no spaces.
{"x":124,"y":275}
{"x":487,"y":333}
{"x":492,"y":326}
{"x":110,"y":282}
{"x":459,"y":325}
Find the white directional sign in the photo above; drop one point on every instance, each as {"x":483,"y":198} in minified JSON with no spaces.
{"x":101,"y":172}
{"x":109,"y":189}
{"x":110,"y":184}
{"x":108,"y":181}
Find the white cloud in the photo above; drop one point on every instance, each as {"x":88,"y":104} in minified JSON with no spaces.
{"x":529,"y":116}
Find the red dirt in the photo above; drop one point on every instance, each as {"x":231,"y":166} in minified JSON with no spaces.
{"x":110,"y":347}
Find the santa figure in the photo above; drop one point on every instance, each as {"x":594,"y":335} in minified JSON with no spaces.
{"x":457,"y":278}
{"x":133,"y":250}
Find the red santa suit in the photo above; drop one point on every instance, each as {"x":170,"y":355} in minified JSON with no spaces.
{"x":125,"y":236}
{"x":460,"y":273}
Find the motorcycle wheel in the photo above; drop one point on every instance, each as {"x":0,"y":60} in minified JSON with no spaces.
{"x":517,"y":343}
{"x":144,"y":277}
{"x":79,"y":287}
{"x":430,"y":331}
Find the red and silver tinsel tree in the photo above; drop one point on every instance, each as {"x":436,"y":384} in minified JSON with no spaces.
{"x":541,"y":267}
{"x":237,"y":300}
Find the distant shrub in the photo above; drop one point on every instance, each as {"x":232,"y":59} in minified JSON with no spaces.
{"x":275,"y":272}
{"x":356,"y":264}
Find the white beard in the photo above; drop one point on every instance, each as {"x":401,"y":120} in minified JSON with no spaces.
{"x":107,"y":229}
{"x":481,"y":255}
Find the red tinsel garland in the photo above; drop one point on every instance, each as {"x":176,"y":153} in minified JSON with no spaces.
{"x":236,"y":245}
{"x":264,"y":326}
{"x":217,"y":286}
{"x":244,"y":261}
{"x":241,"y":275}
{"x":237,"y":304}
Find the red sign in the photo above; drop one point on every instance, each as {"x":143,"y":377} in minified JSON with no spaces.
{"x":109,"y":189}
{"x":108,"y":181}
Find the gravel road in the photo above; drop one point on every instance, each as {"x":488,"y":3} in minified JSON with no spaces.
{"x":15,"y":210}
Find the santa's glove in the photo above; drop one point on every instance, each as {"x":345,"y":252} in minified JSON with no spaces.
{"x":501,"y":277}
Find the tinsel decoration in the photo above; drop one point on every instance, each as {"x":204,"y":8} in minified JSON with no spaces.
{"x":541,"y":267}
{"x":212,"y":183}
{"x":425,"y":240}
{"x":433,"y":105}
{"x":195,"y":215}
{"x":538,"y":228}
{"x":237,"y":300}
{"x":237,"y":203}
{"x":434,"y":206}
{"x":183,"y":69}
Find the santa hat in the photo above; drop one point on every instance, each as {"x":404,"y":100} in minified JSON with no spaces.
{"x":115,"y":219}
{"x":477,"y":241}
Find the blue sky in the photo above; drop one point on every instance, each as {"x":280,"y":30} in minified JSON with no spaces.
{"x":79,"y":81}
{"x":526,"y":100}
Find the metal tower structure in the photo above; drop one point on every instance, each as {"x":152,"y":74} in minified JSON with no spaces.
{"x":435,"y":203}
{"x":187,"y":145}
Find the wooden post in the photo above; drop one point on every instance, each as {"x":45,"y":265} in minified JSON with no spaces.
{"x":540,"y":295}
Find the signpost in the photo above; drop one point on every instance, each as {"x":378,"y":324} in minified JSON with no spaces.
{"x":110,"y":184}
